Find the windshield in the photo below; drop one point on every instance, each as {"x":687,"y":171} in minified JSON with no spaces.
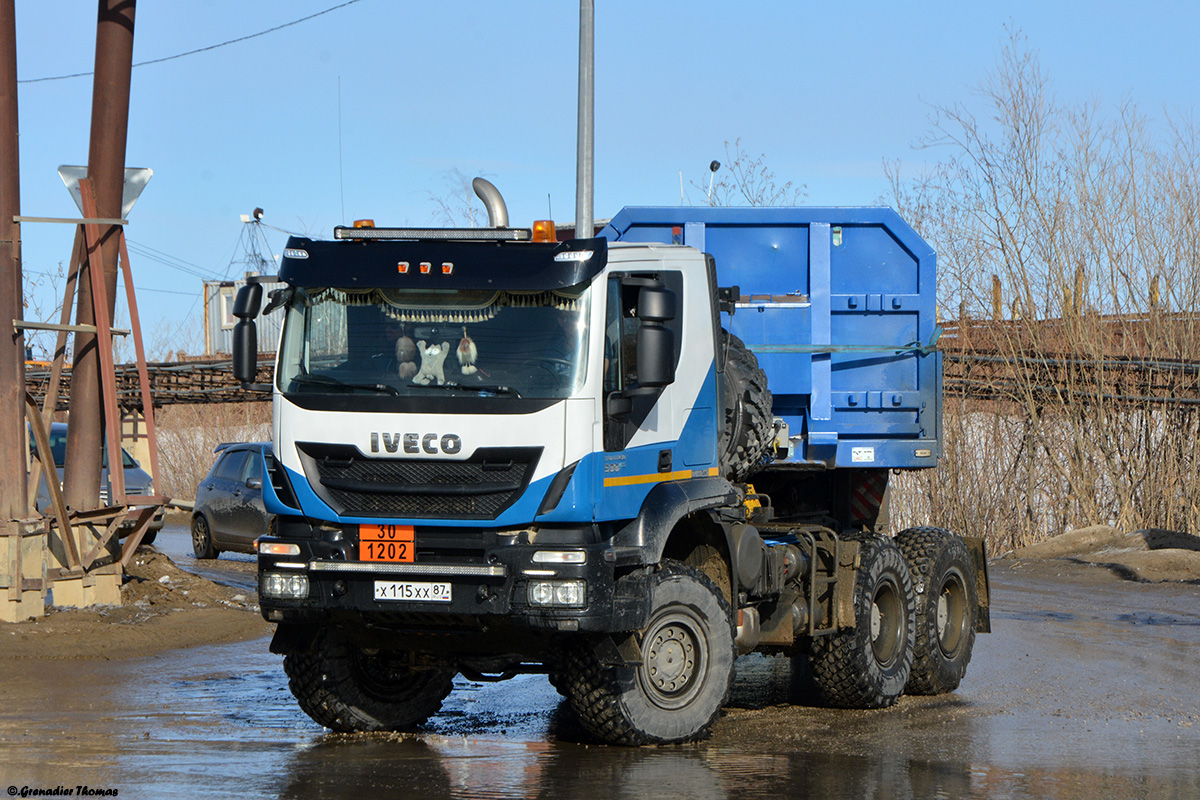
{"x":432,"y":343}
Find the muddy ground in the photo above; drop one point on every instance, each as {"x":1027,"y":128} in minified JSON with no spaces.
{"x":1085,"y":689}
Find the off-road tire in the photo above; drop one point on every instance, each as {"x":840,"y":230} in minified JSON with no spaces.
{"x":346,"y":690}
{"x":678,"y":691}
{"x":943,"y":575}
{"x":202,"y":543}
{"x":748,"y":423}
{"x":867,"y":666}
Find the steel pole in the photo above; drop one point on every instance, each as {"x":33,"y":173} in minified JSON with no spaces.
{"x":13,"y":497}
{"x":106,"y":169}
{"x":585,"y":135}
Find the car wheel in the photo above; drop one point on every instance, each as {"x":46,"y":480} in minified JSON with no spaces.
{"x":202,"y":544}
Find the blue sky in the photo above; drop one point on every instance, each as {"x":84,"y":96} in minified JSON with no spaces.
{"x":827,"y":91}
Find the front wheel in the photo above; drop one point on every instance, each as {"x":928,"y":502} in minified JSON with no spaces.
{"x":943,"y":573}
{"x":349,"y":689}
{"x":687,"y":653}
{"x":867,"y":666}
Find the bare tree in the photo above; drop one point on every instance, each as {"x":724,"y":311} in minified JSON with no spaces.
{"x":458,"y":206}
{"x":1068,"y":244}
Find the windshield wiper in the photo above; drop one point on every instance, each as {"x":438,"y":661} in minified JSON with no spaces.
{"x":481,"y":389}
{"x":325,"y":380}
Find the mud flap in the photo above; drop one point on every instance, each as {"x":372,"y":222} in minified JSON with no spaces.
{"x":983,"y":617}
{"x":290,"y":639}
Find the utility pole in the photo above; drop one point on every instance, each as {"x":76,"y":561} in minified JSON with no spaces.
{"x":13,"y":499}
{"x":585,"y":135}
{"x":106,"y":169}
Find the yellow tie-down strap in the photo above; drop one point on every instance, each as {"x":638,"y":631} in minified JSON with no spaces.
{"x":659,"y":477}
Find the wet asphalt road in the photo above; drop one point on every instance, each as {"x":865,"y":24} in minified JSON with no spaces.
{"x":1087,"y":689}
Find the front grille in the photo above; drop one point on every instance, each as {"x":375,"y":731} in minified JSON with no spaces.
{"x":479,"y":488}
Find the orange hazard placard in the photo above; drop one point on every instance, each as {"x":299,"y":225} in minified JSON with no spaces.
{"x":386,"y":543}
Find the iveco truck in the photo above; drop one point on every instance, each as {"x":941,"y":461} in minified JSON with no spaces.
{"x":620,"y":461}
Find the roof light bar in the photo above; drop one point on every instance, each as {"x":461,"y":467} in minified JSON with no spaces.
{"x":450,"y":234}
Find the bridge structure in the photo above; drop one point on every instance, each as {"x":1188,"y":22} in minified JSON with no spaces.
{"x":982,"y":362}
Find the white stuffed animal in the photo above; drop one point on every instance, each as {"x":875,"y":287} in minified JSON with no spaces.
{"x":432,"y":358}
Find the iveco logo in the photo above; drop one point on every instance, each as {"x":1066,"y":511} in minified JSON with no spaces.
{"x":430,"y":443}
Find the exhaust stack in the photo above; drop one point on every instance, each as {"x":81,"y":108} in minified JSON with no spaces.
{"x":490,"y":195}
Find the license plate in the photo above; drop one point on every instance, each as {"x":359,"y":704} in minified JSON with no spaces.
{"x":386,"y":543}
{"x":413,"y":591}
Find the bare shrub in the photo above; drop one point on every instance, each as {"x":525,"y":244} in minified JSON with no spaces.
{"x":1069,"y":244}
{"x":187,"y":435}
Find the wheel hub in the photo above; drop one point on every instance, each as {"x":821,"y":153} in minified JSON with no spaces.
{"x":672,"y":659}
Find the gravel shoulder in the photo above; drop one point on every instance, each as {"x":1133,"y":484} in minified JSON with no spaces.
{"x":162,"y":608}
{"x":1150,"y":555}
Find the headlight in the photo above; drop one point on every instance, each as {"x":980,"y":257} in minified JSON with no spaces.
{"x":284,"y":586}
{"x":568,"y":594}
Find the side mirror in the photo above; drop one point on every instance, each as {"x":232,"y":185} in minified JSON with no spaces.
{"x":253,"y":483}
{"x":248,"y":301}
{"x":245,"y":335}
{"x":656,"y":304}
{"x":655,"y":344}
{"x":245,"y":351}
{"x":655,"y":356}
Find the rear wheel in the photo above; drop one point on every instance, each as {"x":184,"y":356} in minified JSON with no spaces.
{"x":867,"y":666}
{"x":202,"y":544}
{"x":687,"y":654}
{"x":349,"y":689}
{"x":943,"y":574}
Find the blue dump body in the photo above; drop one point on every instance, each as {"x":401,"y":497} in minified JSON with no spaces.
{"x":838,"y":304}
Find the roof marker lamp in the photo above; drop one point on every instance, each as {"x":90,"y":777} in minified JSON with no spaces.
{"x":543,"y":231}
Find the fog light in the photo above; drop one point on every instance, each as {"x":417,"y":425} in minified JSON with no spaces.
{"x":569,"y":593}
{"x":284,"y":587}
{"x":541,"y":593}
{"x":557,"y":593}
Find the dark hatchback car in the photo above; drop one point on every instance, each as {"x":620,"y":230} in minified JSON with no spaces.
{"x":229,"y":513}
{"x":137,"y":480}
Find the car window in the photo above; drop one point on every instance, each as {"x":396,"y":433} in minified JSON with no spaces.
{"x":231,"y":467}
{"x":253,"y":467}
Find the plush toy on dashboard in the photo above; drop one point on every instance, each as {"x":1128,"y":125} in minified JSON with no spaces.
{"x":467,"y":353}
{"x":406,"y":357}
{"x":432,"y":358}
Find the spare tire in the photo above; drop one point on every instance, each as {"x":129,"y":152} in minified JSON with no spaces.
{"x":749,"y":422}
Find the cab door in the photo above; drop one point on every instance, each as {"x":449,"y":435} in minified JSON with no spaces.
{"x":642,"y":426}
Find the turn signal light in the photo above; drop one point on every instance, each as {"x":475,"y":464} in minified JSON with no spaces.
{"x":543,"y":231}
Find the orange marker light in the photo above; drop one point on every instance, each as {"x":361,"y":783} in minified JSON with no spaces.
{"x":447,"y":267}
{"x":425,"y":267}
{"x":402,"y":267}
{"x":543,"y":231}
{"x":364,"y":223}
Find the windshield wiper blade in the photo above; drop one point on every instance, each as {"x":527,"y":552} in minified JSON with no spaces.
{"x":325,"y":380}
{"x":481,"y":388}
